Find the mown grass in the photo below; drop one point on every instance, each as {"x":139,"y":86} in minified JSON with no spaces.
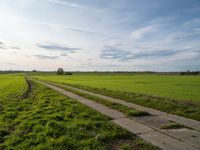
{"x":180,"y":88}
{"x":181,"y":108}
{"x":48,"y":120}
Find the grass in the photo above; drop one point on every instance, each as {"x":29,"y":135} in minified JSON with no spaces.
{"x":48,"y":120}
{"x":173,"y":126}
{"x":126,"y":147}
{"x":189,"y":109}
{"x":181,"y":108}
{"x":137,"y":113}
{"x":12,"y":85}
{"x":130,"y":112}
{"x":185,"y":88}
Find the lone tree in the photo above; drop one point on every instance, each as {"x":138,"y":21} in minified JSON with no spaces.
{"x":60,"y":71}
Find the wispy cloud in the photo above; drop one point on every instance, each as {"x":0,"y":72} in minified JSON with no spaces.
{"x":65,"y":27}
{"x":113,"y":53}
{"x":15,"y":47}
{"x":54,"y":25}
{"x":178,"y":36}
{"x":193,"y":22}
{"x":63,"y":54}
{"x":1,"y":43}
{"x":141,"y":32}
{"x":1,"y":47}
{"x":10,"y":63}
{"x":46,"y":57}
{"x":58,"y":47}
{"x":67,"y":3}
{"x":156,"y":54}
{"x":4,"y":46}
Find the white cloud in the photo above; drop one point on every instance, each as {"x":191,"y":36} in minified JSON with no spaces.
{"x":67,"y":4}
{"x":141,"y":32}
{"x":193,"y":22}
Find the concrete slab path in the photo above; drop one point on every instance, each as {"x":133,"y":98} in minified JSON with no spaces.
{"x":180,"y":120}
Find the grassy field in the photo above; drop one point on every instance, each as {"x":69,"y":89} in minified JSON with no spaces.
{"x":46,"y":120}
{"x":12,"y":85}
{"x":122,"y":87}
{"x":174,"y":87}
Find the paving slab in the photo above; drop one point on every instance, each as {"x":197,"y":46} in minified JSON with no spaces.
{"x":186,"y":135}
{"x":133,"y":126}
{"x":184,"y":121}
{"x":191,"y":137}
{"x":166,"y":142}
{"x":155,"y":122}
{"x":155,"y":137}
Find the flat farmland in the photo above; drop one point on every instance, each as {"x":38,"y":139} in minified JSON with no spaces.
{"x":12,"y":85}
{"x":46,"y":119}
{"x":52,"y":115}
{"x":173,"y":94}
{"x":184,"y":88}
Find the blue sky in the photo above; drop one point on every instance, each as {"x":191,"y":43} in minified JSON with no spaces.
{"x":87,"y":35}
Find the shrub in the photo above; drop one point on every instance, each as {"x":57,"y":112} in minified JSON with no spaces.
{"x":68,"y":73}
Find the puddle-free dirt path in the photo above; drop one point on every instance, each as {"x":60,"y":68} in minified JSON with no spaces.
{"x":165,"y":139}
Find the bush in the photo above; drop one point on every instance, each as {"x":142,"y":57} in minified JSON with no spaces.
{"x":190,"y":73}
{"x":68,"y":73}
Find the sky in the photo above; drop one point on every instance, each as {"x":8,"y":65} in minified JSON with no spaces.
{"x":100,"y":35}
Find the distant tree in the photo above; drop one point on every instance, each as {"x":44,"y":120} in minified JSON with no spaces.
{"x":60,"y":71}
{"x":190,"y":73}
{"x":34,"y":70}
{"x":68,"y":73}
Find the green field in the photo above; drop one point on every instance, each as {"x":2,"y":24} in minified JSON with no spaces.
{"x":174,"y":87}
{"x":46,"y":119}
{"x":174,"y":94}
{"x":12,"y":85}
